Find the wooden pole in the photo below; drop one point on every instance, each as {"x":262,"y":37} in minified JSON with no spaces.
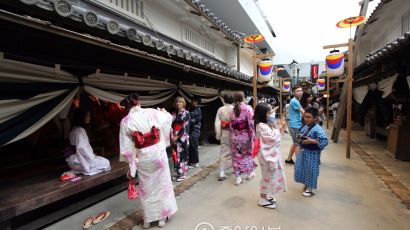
{"x":349,"y":98}
{"x":327,"y":101}
{"x":255,"y":93}
{"x":280,"y":96}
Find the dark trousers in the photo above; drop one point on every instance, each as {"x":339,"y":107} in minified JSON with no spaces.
{"x":193,"y":147}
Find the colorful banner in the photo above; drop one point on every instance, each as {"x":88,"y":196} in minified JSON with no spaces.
{"x":314,"y":72}
{"x":321,"y":84}
{"x":335,"y":64}
{"x":286,"y":86}
{"x":265,"y":69}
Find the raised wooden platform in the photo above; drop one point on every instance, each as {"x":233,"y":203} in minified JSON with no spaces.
{"x":25,"y":195}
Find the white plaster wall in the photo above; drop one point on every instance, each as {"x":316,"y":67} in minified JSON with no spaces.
{"x":389,"y":20}
{"x":246,"y":62}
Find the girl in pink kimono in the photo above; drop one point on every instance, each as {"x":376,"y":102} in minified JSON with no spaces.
{"x":143,"y":138}
{"x":242,"y":136}
{"x":270,"y":160}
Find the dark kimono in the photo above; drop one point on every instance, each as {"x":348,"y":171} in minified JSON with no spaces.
{"x":195,"y":132}
{"x":180,"y":128}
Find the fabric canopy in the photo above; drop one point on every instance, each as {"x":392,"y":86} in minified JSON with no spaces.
{"x":118,"y":82}
{"x":359,"y":93}
{"x":386,"y":85}
{"x":31,"y":95}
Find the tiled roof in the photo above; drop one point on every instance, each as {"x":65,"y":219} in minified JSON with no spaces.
{"x":384,"y":51}
{"x":77,"y":13}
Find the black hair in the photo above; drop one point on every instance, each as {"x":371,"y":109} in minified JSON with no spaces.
{"x":197,"y":99}
{"x":303,"y":100}
{"x":261,"y":110}
{"x":312,"y":111}
{"x":228,"y":98}
{"x":296,"y":87}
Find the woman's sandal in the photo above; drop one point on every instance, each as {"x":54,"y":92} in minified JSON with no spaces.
{"x":100,"y":217}
{"x":88,"y":222}
{"x":162,"y":222}
{"x":271,"y":205}
{"x":181,"y":178}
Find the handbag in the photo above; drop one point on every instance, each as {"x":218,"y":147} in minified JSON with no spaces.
{"x":132,"y":188}
{"x":256,"y":147}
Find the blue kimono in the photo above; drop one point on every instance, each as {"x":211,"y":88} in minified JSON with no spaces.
{"x":308,"y":159}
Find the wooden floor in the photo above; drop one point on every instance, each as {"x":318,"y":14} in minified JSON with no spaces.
{"x":21,"y":196}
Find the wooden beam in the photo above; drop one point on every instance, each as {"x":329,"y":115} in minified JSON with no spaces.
{"x":349,"y":99}
{"x":336,"y":46}
{"x":261,"y":56}
{"x":255,"y":92}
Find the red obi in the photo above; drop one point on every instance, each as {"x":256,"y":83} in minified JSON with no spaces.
{"x":240,"y":125}
{"x":177,"y":126}
{"x":225,"y":124}
{"x":146,"y":139}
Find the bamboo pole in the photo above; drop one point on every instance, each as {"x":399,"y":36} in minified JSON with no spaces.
{"x":280,"y":96}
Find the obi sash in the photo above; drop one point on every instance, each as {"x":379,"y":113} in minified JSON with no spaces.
{"x":242,"y":125}
{"x":177,"y":126}
{"x":147,"y":139}
{"x":225,"y":124}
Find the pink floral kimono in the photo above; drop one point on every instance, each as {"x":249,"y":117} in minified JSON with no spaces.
{"x":242,"y":136}
{"x":155,"y":187}
{"x":270,"y":160}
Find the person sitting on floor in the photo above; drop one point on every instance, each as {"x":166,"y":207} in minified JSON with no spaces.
{"x":83,"y":160}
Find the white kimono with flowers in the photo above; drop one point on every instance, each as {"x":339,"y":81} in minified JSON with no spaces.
{"x":270,"y":160}
{"x":155,"y":187}
{"x":84,"y":160}
{"x":224,"y":135}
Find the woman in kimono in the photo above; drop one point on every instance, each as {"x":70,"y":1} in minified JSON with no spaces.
{"x":223,"y":133}
{"x":242,"y":135}
{"x":312,"y":140}
{"x":270,"y":160}
{"x":180,"y":138}
{"x":83,"y":160}
{"x":142,"y":143}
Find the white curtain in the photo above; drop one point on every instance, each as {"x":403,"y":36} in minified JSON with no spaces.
{"x":359,"y":93}
{"x":63,"y":104}
{"x":386,"y":85}
{"x":14,"y":107}
{"x":115,"y":97}
{"x":21,"y":72}
{"x":119,"y":82}
{"x":207,"y":94}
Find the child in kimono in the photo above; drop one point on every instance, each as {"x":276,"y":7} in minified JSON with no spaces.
{"x":312,"y":140}
{"x":270,"y":160}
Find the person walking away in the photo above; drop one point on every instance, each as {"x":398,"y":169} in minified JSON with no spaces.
{"x":295,"y":121}
{"x":312,"y":140}
{"x":242,"y":135}
{"x":142,"y":144}
{"x":270,"y":160}
{"x":223,"y":133}
{"x":180,"y":138}
{"x":194,"y":132}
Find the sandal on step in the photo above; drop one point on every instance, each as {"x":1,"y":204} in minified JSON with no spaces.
{"x":100,"y":217}
{"x":88,"y":222}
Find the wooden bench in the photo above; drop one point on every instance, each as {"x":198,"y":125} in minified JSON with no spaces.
{"x":22,"y":197}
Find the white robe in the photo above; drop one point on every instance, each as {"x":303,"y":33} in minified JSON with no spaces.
{"x":84,"y":160}
{"x":155,"y":187}
{"x":224,"y":135}
{"x":273,"y":176}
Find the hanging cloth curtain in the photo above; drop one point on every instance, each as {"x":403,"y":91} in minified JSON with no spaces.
{"x":30,"y":96}
{"x":207,"y":94}
{"x":386,"y":85}
{"x":359,"y":93}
